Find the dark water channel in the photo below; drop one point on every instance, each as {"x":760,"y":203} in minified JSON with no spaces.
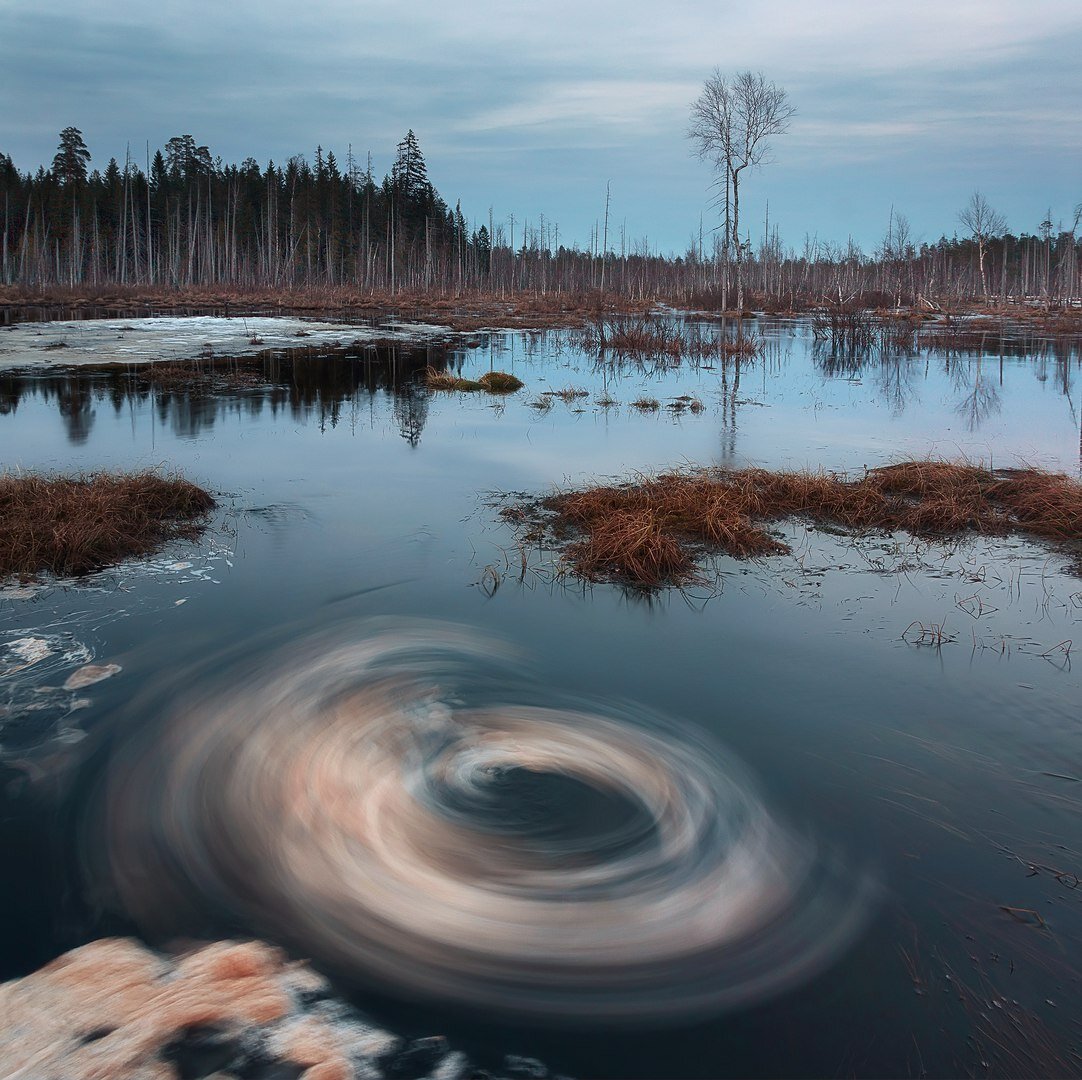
{"x":765,"y":830}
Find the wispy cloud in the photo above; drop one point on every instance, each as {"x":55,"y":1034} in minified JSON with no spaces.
{"x":535,"y":106}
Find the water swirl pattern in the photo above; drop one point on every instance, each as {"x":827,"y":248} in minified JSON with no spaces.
{"x":401,"y":803}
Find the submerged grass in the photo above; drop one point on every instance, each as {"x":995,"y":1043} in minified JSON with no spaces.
{"x":649,"y":532}
{"x":75,"y":525}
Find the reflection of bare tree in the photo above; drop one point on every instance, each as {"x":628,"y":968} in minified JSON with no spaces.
{"x":896,"y":381}
{"x":982,"y":401}
{"x":411,"y":412}
{"x":188,"y":414}
{"x":730,"y":390}
{"x":76,"y":407}
{"x":836,"y":362}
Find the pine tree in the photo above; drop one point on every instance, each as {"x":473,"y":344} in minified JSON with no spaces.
{"x":72,"y":155}
{"x":185,"y":159}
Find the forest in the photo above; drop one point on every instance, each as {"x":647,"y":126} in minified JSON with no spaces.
{"x":185,"y":218}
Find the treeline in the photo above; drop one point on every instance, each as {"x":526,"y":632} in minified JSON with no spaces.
{"x":184,"y":218}
{"x":1044,"y":267}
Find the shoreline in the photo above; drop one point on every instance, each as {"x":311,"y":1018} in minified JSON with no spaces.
{"x":467,"y":311}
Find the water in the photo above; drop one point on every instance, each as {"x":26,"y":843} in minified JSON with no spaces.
{"x":814,"y":822}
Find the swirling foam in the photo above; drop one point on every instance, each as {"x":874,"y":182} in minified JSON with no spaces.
{"x":379,"y":806}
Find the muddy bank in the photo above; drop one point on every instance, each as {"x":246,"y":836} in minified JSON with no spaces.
{"x":114,"y":1009}
{"x":467,"y":311}
{"x":464,"y":312}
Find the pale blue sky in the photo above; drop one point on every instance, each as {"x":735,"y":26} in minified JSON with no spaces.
{"x":530,"y":108}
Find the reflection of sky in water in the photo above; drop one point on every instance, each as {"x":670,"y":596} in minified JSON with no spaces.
{"x":345,"y":497}
{"x":795,"y":406}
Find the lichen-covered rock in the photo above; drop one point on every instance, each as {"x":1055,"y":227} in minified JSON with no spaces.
{"x":115,"y":1010}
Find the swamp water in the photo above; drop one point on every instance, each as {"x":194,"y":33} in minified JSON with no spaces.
{"x":820,"y":818}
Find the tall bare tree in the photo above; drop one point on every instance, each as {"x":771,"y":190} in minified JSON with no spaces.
{"x":983,"y":224}
{"x":732,"y":122}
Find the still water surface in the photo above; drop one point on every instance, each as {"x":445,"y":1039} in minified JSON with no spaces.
{"x":892,"y":828}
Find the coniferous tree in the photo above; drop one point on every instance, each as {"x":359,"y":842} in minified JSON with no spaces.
{"x":72,"y":155}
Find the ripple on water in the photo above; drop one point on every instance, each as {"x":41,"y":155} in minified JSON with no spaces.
{"x":400,"y":803}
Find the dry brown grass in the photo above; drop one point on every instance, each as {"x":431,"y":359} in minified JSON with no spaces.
{"x":445,"y":380}
{"x":501,"y":382}
{"x":648,"y":533}
{"x":643,"y":336}
{"x":236,"y":373}
{"x":75,"y":525}
{"x":492,"y":382}
{"x":475,"y":310}
{"x":460,"y":310}
{"x":568,"y":394}
{"x":647,"y":336}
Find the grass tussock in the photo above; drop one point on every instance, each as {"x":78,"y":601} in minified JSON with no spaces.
{"x":569,"y":394}
{"x":75,"y":525}
{"x":650,"y":532}
{"x":445,"y":380}
{"x":492,"y":382}
{"x":501,"y":382}
{"x":685,"y":403}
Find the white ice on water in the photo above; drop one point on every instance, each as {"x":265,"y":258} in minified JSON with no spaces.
{"x":45,"y":345}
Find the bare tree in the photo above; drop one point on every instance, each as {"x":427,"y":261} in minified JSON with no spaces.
{"x":983,"y":223}
{"x":732,"y":121}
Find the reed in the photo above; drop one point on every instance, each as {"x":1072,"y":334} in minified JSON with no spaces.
{"x":647,"y":336}
{"x":75,"y":525}
{"x":649,"y":532}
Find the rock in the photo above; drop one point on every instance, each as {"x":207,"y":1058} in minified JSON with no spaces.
{"x":115,"y":1010}
{"x":89,"y":674}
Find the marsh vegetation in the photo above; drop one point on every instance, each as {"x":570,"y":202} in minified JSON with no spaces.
{"x":492,"y":382}
{"x":652,"y":531}
{"x":75,"y":525}
{"x":903,"y":670}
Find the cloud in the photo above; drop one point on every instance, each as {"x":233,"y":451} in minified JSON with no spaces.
{"x":535,"y":105}
{"x":590,"y":106}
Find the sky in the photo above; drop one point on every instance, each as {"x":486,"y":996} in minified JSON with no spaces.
{"x":532,"y":109}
